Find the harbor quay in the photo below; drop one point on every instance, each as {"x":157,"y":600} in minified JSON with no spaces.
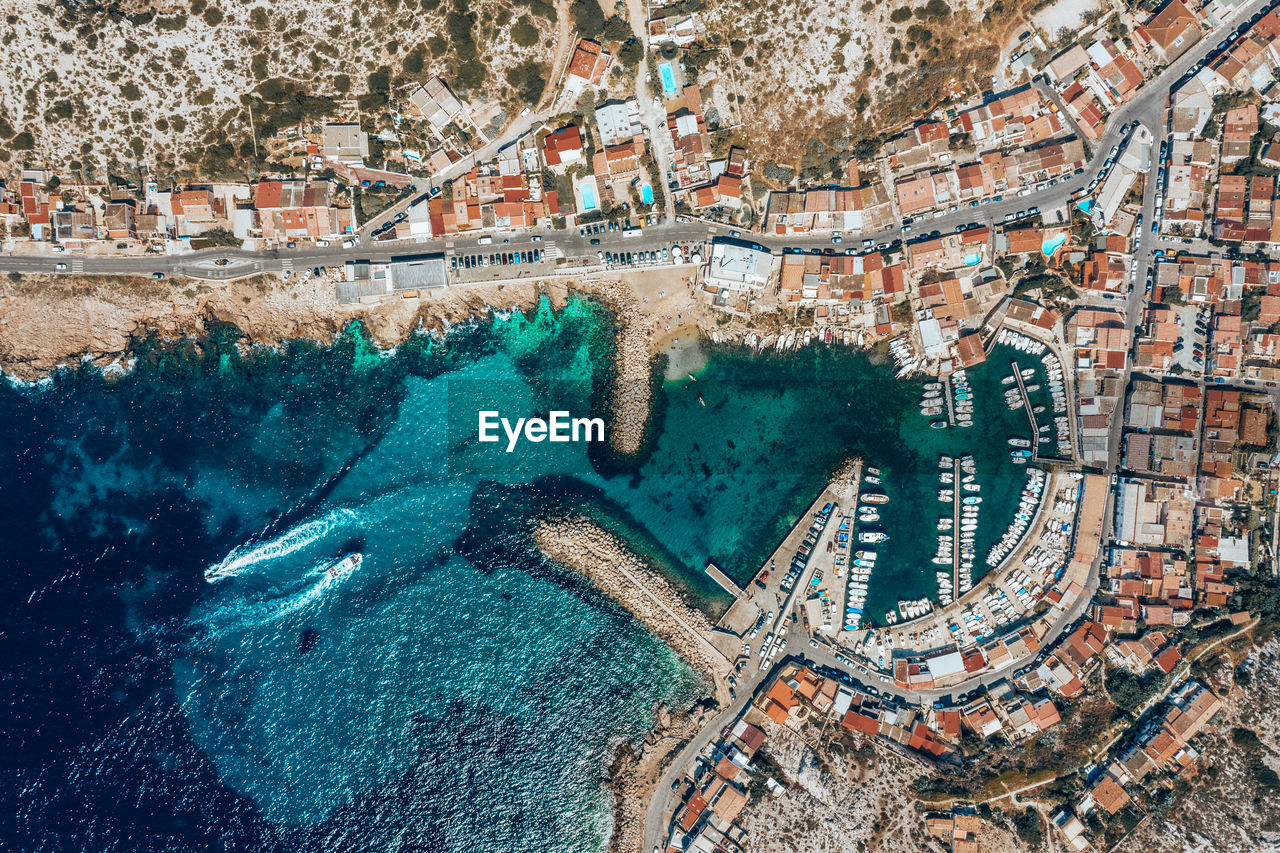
{"x":1032,"y":592}
{"x":754,"y":623}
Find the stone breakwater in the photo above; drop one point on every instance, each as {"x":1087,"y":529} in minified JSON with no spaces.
{"x":632,"y":366}
{"x":603,"y":559}
{"x":599,"y":556}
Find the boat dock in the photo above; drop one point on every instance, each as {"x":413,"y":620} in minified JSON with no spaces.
{"x":949,"y":393}
{"x":955,"y":531}
{"x":721,"y":578}
{"x":1031,"y":418}
{"x":764,"y":594}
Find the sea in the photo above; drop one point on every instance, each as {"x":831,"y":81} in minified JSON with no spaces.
{"x":182,"y":674}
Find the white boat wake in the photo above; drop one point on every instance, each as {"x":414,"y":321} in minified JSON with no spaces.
{"x":294,"y":540}
{"x":221,"y":619}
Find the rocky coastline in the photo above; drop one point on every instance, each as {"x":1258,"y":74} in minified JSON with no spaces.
{"x":584,"y":547}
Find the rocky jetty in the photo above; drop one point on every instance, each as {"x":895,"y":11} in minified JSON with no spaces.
{"x":585,"y":547}
{"x":599,"y":556}
{"x":632,"y":366}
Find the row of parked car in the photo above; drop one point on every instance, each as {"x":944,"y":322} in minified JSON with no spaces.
{"x":625,"y":259}
{"x":495,"y":259}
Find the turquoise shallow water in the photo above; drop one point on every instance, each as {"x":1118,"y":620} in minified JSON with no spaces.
{"x":456,"y":693}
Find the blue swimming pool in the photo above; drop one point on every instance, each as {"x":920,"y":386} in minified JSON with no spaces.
{"x":588,"y":197}
{"x":646,"y":193}
{"x":1052,"y":244}
{"x":970,"y":260}
{"x":668,"y":80}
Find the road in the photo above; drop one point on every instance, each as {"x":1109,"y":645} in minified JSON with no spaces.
{"x":223,"y":264}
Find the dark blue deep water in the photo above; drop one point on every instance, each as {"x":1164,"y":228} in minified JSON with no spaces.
{"x":178,"y":674}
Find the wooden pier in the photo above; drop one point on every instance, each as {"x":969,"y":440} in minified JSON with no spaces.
{"x":1031,"y":418}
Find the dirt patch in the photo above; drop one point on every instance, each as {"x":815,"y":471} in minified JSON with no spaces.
{"x":104,"y":82}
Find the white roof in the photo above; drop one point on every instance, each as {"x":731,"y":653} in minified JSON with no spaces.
{"x":950,"y":663}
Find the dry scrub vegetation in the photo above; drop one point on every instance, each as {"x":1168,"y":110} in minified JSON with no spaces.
{"x":113,"y":83}
{"x":807,"y":80}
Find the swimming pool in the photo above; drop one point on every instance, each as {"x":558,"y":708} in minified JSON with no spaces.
{"x":646,"y":193}
{"x":668,"y":80}
{"x":970,"y":260}
{"x":1052,"y":244}
{"x":588,"y":197}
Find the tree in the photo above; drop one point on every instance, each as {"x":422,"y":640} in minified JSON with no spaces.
{"x":528,"y":79}
{"x":631,"y":52}
{"x":524,"y":33}
{"x":587,"y":18}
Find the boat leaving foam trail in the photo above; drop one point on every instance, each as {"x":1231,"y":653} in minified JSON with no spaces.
{"x":319,"y":580}
{"x":294,"y":540}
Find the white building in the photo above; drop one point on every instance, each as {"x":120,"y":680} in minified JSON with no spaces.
{"x":618,"y":121}
{"x":738,"y":266}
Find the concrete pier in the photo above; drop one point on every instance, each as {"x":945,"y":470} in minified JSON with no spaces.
{"x":721,"y":578}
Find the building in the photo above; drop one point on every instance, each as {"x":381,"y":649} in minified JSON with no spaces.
{"x":618,"y":121}
{"x":587,"y":67}
{"x":436,"y":102}
{"x":738,"y":265}
{"x":1169,"y":32}
{"x":346,"y":143}
{"x":562,"y":147}
{"x":296,"y":210}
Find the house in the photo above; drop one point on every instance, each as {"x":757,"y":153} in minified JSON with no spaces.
{"x":1169,"y":32}
{"x":293,"y":209}
{"x":587,"y":67}
{"x":1109,"y":796}
{"x":618,"y":121}
{"x":121,"y":220}
{"x":435,"y":102}
{"x":346,"y":143}
{"x":562,"y":147}
{"x":1238,"y":129}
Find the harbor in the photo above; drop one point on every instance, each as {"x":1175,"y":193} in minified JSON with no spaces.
{"x":800,"y":568}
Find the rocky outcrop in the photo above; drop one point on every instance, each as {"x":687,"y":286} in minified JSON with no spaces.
{"x":636,"y":771}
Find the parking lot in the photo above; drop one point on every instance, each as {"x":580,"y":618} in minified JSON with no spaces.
{"x":477,"y":263}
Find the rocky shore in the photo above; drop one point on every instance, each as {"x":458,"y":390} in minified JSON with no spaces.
{"x":612,"y":568}
{"x":636,"y":771}
{"x":52,"y":321}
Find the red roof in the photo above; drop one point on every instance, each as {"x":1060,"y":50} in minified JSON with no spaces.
{"x":566,"y":140}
